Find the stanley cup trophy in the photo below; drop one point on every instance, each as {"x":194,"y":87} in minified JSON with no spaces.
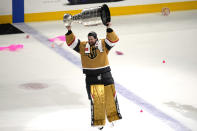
{"x":89,"y":17}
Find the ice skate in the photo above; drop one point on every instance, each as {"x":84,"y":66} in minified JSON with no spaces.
{"x":100,"y":128}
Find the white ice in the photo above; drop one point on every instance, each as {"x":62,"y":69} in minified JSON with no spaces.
{"x":42,"y":91}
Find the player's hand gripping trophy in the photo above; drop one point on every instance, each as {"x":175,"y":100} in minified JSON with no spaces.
{"x":90,"y":16}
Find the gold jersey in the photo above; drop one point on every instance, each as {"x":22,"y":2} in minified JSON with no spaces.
{"x":93,"y":58}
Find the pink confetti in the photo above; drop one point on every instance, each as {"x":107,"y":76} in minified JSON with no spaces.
{"x":58,"y":38}
{"x":27,"y":36}
{"x":119,"y":53}
{"x":3,"y":48}
{"x":141,"y":110}
{"x":53,"y":45}
{"x":12,"y":47}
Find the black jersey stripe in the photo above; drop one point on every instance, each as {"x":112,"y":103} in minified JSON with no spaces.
{"x":77,"y":47}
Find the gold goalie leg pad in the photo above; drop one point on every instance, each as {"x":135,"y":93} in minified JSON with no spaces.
{"x":112,"y":107}
{"x":98,"y":105}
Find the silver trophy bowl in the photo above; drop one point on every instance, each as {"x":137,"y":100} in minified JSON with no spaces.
{"x":89,"y":17}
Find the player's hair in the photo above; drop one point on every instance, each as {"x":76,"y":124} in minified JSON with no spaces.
{"x":92,"y":33}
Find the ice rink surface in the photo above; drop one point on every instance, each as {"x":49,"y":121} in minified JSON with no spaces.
{"x":42,"y":88}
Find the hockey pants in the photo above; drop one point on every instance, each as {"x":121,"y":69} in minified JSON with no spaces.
{"x":103,"y":103}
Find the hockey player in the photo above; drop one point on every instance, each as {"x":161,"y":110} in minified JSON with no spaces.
{"x":99,"y":81}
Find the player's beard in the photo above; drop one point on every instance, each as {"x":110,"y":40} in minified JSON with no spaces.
{"x":92,"y":43}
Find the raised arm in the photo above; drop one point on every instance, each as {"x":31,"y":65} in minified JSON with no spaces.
{"x":71,"y":40}
{"x":111,"y":37}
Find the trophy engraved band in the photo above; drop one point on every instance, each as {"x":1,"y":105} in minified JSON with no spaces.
{"x":90,"y":16}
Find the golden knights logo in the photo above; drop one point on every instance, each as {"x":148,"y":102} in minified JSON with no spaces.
{"x":93,"y":52}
